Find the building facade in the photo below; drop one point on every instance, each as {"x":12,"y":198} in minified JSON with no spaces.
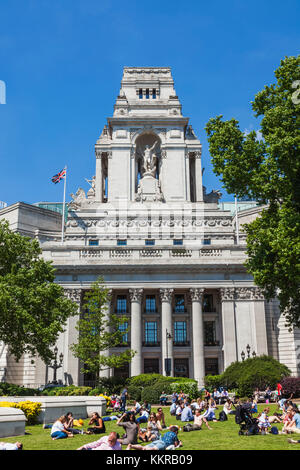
{"x":167,"y":251}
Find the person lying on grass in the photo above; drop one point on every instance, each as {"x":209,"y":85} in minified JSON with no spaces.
{"x":167,"y":440}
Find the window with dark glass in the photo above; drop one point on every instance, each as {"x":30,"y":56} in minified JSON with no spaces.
{"x":177,"y":242}
{"x":150,"y":306}
{"x":150,"y":332}
{"x":206,"y":241}
{"x":121,"y":304}
{"x":179,"y":304}
{"x":154,"y":93}
{"x":121,"y":242}
{"x":210,"y":333}
{"x":208,"y":303}
{"x":93,"y":242}
{"x":149,"y":242}
{"x":147,"y":93}
{"x":180,"y":332}
{"x":140,"y":94}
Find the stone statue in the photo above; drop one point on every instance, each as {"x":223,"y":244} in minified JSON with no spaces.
{"x":149,"y":160}
{"x":78,"y":199}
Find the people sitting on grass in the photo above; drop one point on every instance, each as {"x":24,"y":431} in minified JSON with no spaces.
{"x":144,"y":415}
{"x":109,"y":442}
{"x":294,"y":424}
{"x":69,"y":424}
{"x":179,"y":409}
{"x":163,"y":399}
{"x":11,"y":446}
{"x":196,"y":425}
{"x":161,"y":417}
{"x":173,"y":408}
{"x":186,"y":414}
{"x":168,"y":440}
{"x":254,"y":406}
{"x":228,"y":407}
{"x":154,"y":428}
{"x":98,"y":424}
{"x":58,"y":430}
{"x":131,"y":428}
{"x":208,"y":415}
{"x":136,"y":407}
{"x":224,"y":395}
{"x":263,"y":421}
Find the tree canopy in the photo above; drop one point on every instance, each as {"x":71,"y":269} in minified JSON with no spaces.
{"x":267,"y":169}
{"x":33,"y":308}
{"x":100,"y":330}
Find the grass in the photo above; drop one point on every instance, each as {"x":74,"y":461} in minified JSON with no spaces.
{"x":223,"y":436}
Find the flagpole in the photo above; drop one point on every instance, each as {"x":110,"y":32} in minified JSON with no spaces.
{"x":64,"y":203}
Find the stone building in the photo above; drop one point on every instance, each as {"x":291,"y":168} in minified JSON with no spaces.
{"x":166,"y":250}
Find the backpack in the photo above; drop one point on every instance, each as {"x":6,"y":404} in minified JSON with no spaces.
{"x":223,"y":416}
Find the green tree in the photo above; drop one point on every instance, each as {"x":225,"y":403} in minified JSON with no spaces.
{"x":33,"y":308}
{"x":267,"y":169}
{"x":99,"y":332}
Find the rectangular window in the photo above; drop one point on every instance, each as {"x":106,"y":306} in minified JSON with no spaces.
{"x":151,"y":332}
{"x":121,"y":242}
{"x":140,"y":94}
{"x":180,"y":335}
{"x":210,"y":333}
{"x":149,"y":242}
{"x":151,"y":366}
{"x":206,"y":241}
{"x":122,"y":328}
{"x":147,"y":93}
{"x":93,"y":242}
{"x":154,"y":93}
{"x":179,"y":306}
{"x":150,"y":304}
{"x":208,"y":303}
{"x":121,"y":304}
{"x":177,"y":242}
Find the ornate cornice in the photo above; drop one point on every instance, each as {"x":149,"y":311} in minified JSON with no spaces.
{"x":241,"y":293}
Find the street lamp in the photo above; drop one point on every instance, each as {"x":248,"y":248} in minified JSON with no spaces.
{"x":243,"y":355}
{"x":55,"y":364}
{"x":168,"y":361}
{"x":248,"y":350}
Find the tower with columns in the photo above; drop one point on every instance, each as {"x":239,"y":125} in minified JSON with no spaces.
{"x":165,"y":249}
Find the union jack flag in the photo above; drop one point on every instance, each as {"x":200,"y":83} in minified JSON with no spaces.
{"x":56,"y":178}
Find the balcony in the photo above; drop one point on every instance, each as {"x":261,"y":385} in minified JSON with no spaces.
{"x":211,"y":343}
{"x":208,"y":309}
{"x":181,"y":344}
{"x":151,"y":344}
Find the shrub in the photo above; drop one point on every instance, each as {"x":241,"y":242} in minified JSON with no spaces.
{"x":291,"y":385}
{"x":144,"y":380}
{"x":213,"y":381}
{"x":150,"y":395}
{"x":189,"y":388}
{"x":29,"y":408}
{"x":163,"y":386}
{"x":12,"y":390}
{"x":258,"y":372}
{"x":134,"y":392}
{"x":111,"y":385}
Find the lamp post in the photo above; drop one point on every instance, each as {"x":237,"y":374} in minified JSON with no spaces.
{"x":55,"y":364}
{"x":243,"y":355}
{"x":168,"y":364}
{"x":248,"y":350}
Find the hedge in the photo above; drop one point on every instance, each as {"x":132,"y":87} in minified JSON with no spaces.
{"x":29,"y":408}
{"x":291,"y":385}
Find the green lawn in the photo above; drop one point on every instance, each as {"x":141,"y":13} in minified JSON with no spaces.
{"x":223,"y":436}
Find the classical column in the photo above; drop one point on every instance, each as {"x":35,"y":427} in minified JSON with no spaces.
{"x":136,"y":329}
{"x":198,"y":176}
{"x":71,"y":363}
{"x":99,"y":176}
{"x":187,"y":177}
{"x":196,"y":296}
{"x":107,"y":372}
{"x":166,"y":296}
{"x":228,"y":325}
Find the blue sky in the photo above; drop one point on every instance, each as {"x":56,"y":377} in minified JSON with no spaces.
{"x":62,"y":65}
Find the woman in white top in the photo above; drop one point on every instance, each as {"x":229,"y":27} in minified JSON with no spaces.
{"x":227,"y":408}
{"x":58,"y":430}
